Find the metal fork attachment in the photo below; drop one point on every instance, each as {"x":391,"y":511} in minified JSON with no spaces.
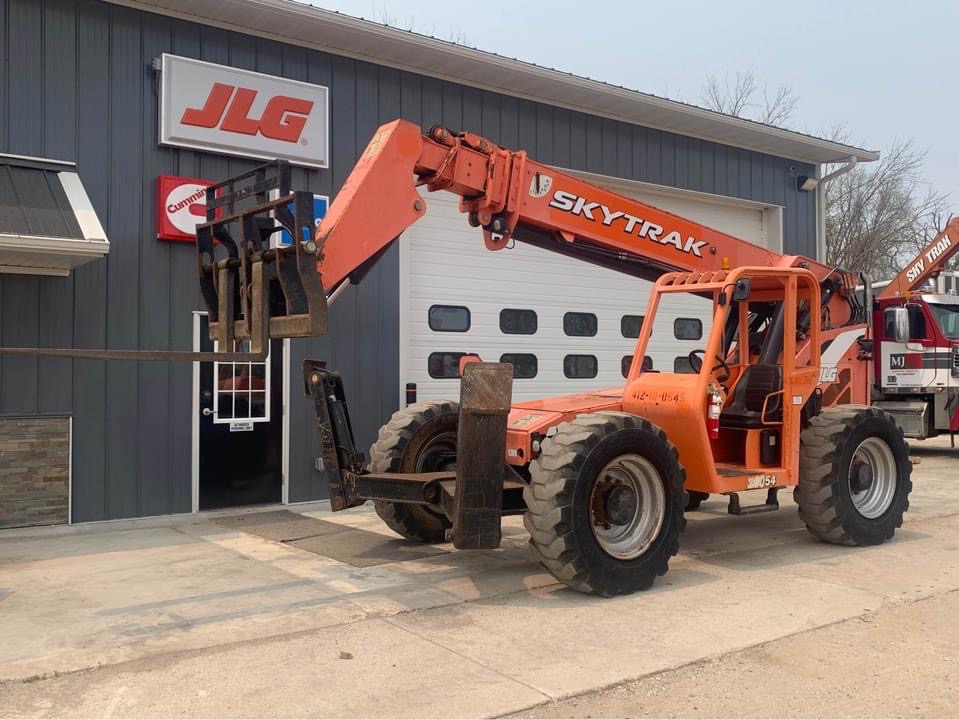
{"x":474,"y":496}
{"x":253,"y":292}
{"x":258,"y":292}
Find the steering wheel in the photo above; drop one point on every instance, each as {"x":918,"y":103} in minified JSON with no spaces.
{"x":696,"y":363}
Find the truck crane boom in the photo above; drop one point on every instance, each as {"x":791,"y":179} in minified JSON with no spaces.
{"x":930,"y":261}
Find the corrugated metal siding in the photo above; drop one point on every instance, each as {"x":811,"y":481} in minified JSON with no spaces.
{"x":79,"y":86}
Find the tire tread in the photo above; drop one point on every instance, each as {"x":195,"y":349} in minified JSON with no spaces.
{"x":549,"y":501}
{"x":820,"y":494}
{"x":413,"y":522}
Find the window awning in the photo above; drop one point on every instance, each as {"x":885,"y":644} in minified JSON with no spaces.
{"x":47,"y":224}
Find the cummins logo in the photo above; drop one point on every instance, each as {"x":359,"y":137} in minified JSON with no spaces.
{"x":181,"y":206}
{"x":630,"y":224}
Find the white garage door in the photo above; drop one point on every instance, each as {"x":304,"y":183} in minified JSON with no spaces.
{"x":567,"y":326}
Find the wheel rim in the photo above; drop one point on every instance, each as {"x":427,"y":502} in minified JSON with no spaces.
{"x":872,"y":477}
{"x":438,"y":454}
{"x":627,"y":507}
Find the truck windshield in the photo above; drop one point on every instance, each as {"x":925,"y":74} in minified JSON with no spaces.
{"x":947,"y":316}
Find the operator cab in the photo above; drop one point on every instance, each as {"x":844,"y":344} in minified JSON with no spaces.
{"x":734,"y":417}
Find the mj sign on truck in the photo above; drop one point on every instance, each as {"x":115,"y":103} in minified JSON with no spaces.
{"x":221,"y":109}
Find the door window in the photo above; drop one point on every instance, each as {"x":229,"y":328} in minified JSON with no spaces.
{"x":917,"y":323}
{"x":242,"y":390}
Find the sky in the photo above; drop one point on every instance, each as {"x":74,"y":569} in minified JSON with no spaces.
{"x":884,"y":69}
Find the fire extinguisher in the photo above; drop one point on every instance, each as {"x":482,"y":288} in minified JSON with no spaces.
{"x":713,"y":411}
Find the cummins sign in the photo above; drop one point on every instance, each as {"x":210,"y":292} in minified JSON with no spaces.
{"x":211,"y":107}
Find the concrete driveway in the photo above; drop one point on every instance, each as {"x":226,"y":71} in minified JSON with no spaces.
{"x":205,"y":617}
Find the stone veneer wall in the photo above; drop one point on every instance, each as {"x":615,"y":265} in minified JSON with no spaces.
{"x":34,"y":471}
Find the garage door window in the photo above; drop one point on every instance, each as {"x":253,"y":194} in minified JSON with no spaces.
{"x":688,"y":329}
{"x":630,"y":325}
{"x":449,"y":318}
{"x":580,"y":366}
{"x":444,"y":364}
{"x":518,"y":322}
{"x":579,"y":324}
{"x":525,"y":365}
{"x":628,"y":360}
{"x":681,"y":364}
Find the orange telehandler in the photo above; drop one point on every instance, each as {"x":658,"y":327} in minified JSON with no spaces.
{"x":778,"y":397}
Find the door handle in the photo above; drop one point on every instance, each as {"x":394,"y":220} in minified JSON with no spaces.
{"x":207,"y":412}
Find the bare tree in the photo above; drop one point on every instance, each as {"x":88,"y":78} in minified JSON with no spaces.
{"x":746,"y":97}
{"x":778,"y":106}
{"x":383,"y":15}
{"x":730,"y":97}
{"x":878,"y":216}
{"x":459,"y":37}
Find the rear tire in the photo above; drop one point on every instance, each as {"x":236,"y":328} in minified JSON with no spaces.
{"x":589,"y":532}
{"x":853,"y":476}
{"x":418,"y":438}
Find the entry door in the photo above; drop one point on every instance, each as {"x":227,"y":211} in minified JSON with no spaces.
{"x":241,"y":429}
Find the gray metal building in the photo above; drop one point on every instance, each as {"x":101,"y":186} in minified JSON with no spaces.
{"x":78,"y":84}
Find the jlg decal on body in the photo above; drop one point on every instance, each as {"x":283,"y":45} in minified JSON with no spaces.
{"x":631,"y":225}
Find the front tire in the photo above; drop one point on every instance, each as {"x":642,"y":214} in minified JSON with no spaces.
{"x":418,"y":438}
{"x":605,"y":503}
{"x":853,"y":476}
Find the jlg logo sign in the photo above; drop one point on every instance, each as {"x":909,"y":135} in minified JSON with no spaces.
{"x":226,"y":110}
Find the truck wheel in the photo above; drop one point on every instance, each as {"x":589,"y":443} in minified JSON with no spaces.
{"x":418,"y":438}
{"x":605,"y":503}
{"x":853,"y":476}
{"x":694,"y":499}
